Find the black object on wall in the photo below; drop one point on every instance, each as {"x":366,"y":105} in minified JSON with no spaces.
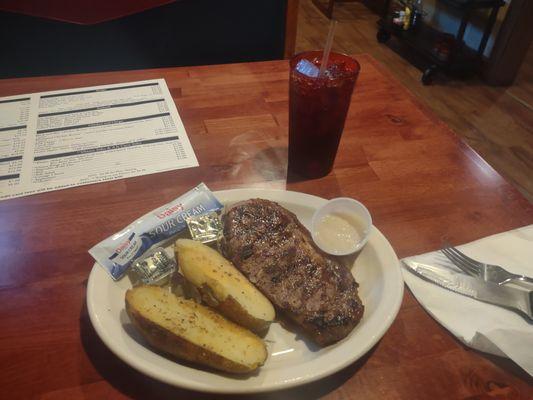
{"x":188,"y":32}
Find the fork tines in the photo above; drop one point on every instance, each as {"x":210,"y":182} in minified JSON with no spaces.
{"x":465,"y":263}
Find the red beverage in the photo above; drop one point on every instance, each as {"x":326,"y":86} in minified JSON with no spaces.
{"x":317,"y":110}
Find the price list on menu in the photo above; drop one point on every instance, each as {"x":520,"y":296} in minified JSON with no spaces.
{"x":61,"y":139}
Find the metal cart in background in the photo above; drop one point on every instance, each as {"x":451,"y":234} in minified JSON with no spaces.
{"x":443,"y":52}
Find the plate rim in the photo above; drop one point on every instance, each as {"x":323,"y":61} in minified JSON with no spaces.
{"x":132,"y":361}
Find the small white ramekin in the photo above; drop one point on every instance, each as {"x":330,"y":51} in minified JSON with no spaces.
{"x":343,"y":205}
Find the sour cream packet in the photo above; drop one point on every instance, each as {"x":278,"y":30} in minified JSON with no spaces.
{"x":157,"y":228}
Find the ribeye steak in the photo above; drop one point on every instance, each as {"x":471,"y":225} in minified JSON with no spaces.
{"x":268,"y":244}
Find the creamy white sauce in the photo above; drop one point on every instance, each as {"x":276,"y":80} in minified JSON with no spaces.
{"x":340,"y":232}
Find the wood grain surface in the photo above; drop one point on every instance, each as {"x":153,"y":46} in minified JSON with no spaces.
{"x":419,"y":181}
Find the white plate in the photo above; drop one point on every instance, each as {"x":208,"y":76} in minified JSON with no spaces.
{"x":292,"y":360}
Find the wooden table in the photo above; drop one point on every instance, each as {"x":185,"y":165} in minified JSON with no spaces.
{"x":327,"y":7}
{"x":420,"y":182}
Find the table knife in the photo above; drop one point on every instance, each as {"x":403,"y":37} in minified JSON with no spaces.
{"x":516,"y":298}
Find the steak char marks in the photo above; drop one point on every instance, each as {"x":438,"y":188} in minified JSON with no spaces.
{"x":275,"y":251}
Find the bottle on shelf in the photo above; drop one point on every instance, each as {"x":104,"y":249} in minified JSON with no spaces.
{"x":407,"y":18}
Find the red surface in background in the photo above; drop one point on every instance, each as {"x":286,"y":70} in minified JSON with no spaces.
{"x":83,"y":12}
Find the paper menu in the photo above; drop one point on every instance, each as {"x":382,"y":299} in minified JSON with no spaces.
{"x":67,"y":138}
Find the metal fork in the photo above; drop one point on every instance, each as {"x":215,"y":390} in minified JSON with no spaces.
{"x":487,"y":272}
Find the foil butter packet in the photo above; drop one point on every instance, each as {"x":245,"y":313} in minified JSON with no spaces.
{"x":154,"y":267}
{"x":155,"y":229}
{"x":205,"y":228}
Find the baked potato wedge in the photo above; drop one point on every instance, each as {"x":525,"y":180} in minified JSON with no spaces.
{"x":190,"y":331}
{"x":222,"y":286}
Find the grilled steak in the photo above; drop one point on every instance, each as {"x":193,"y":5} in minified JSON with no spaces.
{"x":275,"y":251}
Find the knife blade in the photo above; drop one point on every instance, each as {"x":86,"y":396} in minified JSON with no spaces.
{"x":516,"y":298}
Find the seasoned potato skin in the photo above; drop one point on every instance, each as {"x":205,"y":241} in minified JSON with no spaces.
{"x":172,"y":343}
{"x":232,"y":310}
{"x":239,"y":315}
{"x":217,"y":279}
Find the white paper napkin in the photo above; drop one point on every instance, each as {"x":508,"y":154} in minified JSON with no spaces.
{"x":479,"y":325}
